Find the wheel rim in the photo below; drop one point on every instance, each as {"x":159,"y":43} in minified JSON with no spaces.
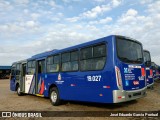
{"x":53,"y":96}
{"x":18,"y":90}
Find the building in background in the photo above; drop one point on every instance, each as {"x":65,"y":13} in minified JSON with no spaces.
{"x":5,"y":72}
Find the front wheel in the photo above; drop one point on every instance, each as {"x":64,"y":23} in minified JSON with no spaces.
{"x":19,"y":93}
{"x":54,"y":97}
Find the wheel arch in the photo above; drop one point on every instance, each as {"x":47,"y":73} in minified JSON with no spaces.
{"x":51,"y":86}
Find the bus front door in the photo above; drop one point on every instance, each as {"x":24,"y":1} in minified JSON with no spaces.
{"x":22,"y":81}
{"x":40,"y":76}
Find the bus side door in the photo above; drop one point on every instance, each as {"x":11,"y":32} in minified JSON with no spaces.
{"x":40,"y":76}
{"x":22,"y":80}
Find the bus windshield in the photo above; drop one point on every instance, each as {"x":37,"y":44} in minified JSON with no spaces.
{"x":147,"y":56}
{"x":129,"y":51}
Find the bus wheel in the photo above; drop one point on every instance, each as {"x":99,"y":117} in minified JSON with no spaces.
{"x":54,"y":96}
{"x":19,"y":93}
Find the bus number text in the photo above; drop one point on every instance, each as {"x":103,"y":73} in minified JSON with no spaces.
{"x":94,"y":78}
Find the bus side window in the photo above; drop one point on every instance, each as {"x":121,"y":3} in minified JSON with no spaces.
{"x":18,"y":69}
{"x":74,"y":60}
{"x":53,"y":63}
{"x":41,"y":66}
{"x":70,"y":61}
{"x":86,"y":55}
{"x":66,"y":62}
{"x":13,"y":71}
{"x":31,"y":67}
{"x":95,"y":60}
{"x":99,"y":54}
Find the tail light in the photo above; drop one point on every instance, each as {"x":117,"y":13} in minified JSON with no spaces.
{"x":143,"y":71}
{"x":118,"y":77}
{"x":151,"y":72}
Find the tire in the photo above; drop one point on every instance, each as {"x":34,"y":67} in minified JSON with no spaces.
{"x":54,"y":97}
{"x":19,"y":93}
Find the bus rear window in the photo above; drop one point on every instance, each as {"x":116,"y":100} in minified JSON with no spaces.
{"x":129,"y":51}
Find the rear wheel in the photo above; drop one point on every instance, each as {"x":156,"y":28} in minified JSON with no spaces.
{"x":54,"y":96}
{"x":19,"y":93}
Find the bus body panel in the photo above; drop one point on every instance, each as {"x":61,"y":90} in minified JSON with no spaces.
{"x":12,"y":84}
{"x":132,"y":76}
{"x":13,"y":78}
{"x":148,"y":68}
{"x":30,"y":84}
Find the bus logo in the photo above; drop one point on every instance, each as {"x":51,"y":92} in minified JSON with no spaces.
{"x":125,"y":70}
{"x":136,"y":82}
{"x":59,"y":76}
{"x":127,"y":83}
{"x":128,"y":70}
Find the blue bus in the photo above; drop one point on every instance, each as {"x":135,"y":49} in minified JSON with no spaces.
{"x":17,"y":79}
{"x":149,"y":71}
{"x":106,"y":70}
{"x":155,"y":71}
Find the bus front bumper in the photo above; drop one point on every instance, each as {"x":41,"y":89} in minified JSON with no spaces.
{"x":150,"y":85}
{"x":123,"y":95}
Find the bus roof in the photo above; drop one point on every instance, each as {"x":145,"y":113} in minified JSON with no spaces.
{"x":44,"y":54}
{"x":146,"y":50}
{"x":21,"y":61}
{"x":55,"y":51}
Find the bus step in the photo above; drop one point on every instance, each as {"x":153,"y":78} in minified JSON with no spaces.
{"x":39,"y":95}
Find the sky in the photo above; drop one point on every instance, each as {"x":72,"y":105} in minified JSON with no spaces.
{"x":28,"y":27}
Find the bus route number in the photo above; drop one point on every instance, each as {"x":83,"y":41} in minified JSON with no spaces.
{"x":94,"y":78}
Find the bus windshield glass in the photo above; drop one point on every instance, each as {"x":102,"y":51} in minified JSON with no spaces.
{"x":129,"y":51}
{"x":147,"y":56}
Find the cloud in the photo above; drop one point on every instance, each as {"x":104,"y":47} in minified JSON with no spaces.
{"x":5,"y":6}
{"x":145,"y":1}
{"x":102,"y":21}
{"x":129,"y":16}
{"x":30,"y":24}
{"x":21,"y":1}
{"x":34,"y":16}
{"x":69,"y":1}
{"x":116,"y":3}
{"x":96,"y":11}
{"x":100,"y":1}
{"x":154,"y":7}
{"x":131,"y":12}
{"x":73,"y":19}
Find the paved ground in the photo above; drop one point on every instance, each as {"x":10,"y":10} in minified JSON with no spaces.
{"x":9,"y":101}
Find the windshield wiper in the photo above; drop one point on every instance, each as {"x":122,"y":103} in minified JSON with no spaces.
{"x":139,"y":59}
{"x":125,"y":59}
